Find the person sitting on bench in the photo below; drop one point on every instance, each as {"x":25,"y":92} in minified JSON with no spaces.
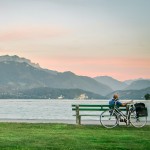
{"x":115,"y":99}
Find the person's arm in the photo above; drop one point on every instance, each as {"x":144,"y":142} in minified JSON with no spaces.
{"x":125,"y":103}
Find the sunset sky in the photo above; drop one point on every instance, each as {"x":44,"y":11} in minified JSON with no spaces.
{"x":88,"y":37}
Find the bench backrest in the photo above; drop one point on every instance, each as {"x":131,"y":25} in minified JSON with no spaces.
{"x":92,"y":107}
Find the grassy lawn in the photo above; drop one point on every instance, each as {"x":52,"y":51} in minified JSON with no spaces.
{"x":28,"y":136}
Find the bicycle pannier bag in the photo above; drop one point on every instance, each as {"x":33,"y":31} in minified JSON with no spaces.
{"x":141,"y":110}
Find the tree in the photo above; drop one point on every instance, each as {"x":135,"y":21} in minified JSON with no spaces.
{"x":147,"y":96}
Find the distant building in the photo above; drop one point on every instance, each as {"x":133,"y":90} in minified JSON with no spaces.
{"x":83,"y":96}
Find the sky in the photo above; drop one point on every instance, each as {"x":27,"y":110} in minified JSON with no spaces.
{"x":87,"y":37}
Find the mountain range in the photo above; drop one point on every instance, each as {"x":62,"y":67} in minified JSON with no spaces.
{"x":20,"y":74}
{"x":112,"y":83}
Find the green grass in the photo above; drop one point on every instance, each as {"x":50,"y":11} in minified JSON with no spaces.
{"x":28,"y":136}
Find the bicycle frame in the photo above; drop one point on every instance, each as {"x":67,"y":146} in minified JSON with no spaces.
{"x":120,"y":114}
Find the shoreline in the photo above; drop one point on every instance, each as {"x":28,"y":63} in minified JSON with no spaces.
{"x":38,"y":121}
{"x":90,"y":122}
{"x":63,"y":121}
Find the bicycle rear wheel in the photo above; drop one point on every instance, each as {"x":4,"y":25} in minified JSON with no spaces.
{"x":136,"y":121}
{"x":108,"y":119}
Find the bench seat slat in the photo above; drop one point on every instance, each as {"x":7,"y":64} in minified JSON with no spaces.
{"x":99,"y":106}
{"x":91,"y":109}
{"x":88,"y":105}
{"x":87,"y":115}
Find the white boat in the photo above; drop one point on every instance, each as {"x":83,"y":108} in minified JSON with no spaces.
{"x":61,"y":97}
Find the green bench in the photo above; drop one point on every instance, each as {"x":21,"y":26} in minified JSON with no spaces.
{"x":87,"y":110}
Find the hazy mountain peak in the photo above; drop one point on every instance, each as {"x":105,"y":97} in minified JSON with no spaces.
{"x":139,"y":84}
{"x":16,"y":58}
{"x":106,"y":77}
{"x":111,"y":82}
{"x":68,"y":72}
{"x":128,"y":82}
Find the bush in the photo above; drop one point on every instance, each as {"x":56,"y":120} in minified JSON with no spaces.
{"x":147,"y":96}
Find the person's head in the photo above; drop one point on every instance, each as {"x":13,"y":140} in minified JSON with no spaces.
{"x":115,"y":97}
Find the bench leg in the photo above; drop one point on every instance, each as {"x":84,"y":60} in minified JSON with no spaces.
{"x":78,"y":117}
{"x":78,"y":120}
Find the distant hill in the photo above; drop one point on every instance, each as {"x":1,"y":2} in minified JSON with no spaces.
{"x":49,"y":93}
{"x":111,"y":82}
{"x":138,"y":84}
{"x":128,"y":82}
{"x":21,"y":75}
{"x":130,"y":94}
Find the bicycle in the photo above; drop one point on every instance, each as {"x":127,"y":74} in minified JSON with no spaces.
{"x":113,"y":116}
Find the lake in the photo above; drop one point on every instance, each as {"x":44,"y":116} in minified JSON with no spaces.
{"x":25,"y":109}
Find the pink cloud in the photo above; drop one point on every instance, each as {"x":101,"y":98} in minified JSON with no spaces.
{"x":28,"y":33}
{"x":119,"y":62}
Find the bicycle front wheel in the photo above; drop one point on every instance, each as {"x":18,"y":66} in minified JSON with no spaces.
{"x":108,"y":119}
{"x":136,"y":121}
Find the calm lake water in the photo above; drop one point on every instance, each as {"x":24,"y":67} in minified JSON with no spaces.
{"x":45,"y":109}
